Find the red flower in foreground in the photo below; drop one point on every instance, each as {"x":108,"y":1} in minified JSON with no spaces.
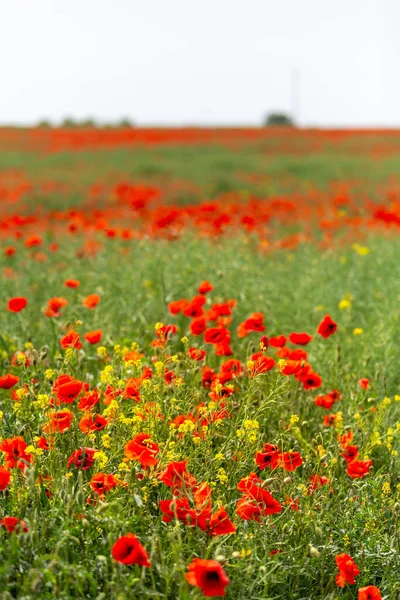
{"x":8,"y":381}
{"x":205,"y":287}
{"x":363,"y":383}
{"x":93,"y":337}
{"x":71,"y":340}
{"x":67,"y":389}
{"x":300,"y":339}
{"x":54,"y":306}
{"x":348,"y":570}
{"x":91,"y":422}
{"x":290,"y":461}
{"x":102,"y":482}
{"x":17,"y":304}
{"x":13,"y":524}
{"x":14,"y":450}
{"x":176,"y":475}
{"x":260,"y":363}
{"x":91,"y":301}
{"x":216,"y":335}
{"x":311,"y":380}
{"x":5,"y":478}
{"x":327,"y":327}
{"x":209,"y":576}
{"x":83,"y":458}
{"x":278,"y":342}
{"x":59,"y":421}
{"x":369,"y":593}
{"x":143,"y":449}
{"x":72,"y":283}
{"x":129,"y":551}
{"x":357,"y":469}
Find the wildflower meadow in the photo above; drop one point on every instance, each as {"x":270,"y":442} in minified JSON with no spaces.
{"x":199,"y":364}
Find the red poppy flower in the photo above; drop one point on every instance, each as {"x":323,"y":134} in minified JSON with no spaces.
{"x":194,"y":308}
{"x":205,"y":287}
{"x":348,"y":570}
{"x":218,"y":524}
{"x":129,"y":551}
{"x":143,"y":449}
{"x":327,"y":327}
{"x":13,"y":524}
{"x":198,"y":326}
{"x":216,"y":335}
{"x":71,"y":340}
{"x":178,"y":508}
{"x":177,"y":306}
{"x":72,"y":283}
{"x":67,"y":389}
{"x":357,"y":469}
{"x":89,"y":423}
{"x":54,"y":306}
{"x":311,"y":381}
{"x":370,"y":592}
{"x":252,"y":490}
{"x":269,"y":457}
{"x":91,"y":301}
{"x":208,"y":376}
{"x":59,"y":421}
{"x":197,"y":354}
{"x":102,"y":482}
{"x":17,"y":304}
{"x":89,"y":400}
{"x":83,"y":458}
{"x":14,"y":450}
{"x":363,"y":383}
{"x":278,"y":342}
{"x":290,"y":367}
{"x":326,"y":401}
{"x":318,"y":481}
{"x":8,"y":381}
{"x":94,"y":337}
{"x":261,"y":364}
{"x":176,"y":475}
{"x":350,"y":453}
{"x":290,"y":461}
{"x":5,"y":478}
{"x":33,"y":240}
{"x":300,"y":339}
{"x":209,"y":576}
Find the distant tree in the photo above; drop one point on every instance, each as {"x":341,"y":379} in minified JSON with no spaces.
{"x":68,"y":123}
{"x":125,"y":123}
{"x":44,"y":123}
{"x":278,"y":119}
{"x":87,"y":123}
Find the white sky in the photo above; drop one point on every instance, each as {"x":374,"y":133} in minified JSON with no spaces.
{"x":200,"y":61}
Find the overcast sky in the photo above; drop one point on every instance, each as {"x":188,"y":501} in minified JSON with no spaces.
{"x":201,"y":61}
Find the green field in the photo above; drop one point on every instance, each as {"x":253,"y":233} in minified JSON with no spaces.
{"x":294,"y":234}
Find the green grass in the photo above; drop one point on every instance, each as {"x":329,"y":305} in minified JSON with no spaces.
{"x":67,"y":551}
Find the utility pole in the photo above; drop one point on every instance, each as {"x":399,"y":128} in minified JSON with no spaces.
{"x":295,"y":95}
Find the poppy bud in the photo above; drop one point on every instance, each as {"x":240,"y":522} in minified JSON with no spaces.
{"x":30,"y":477}
{"x":287,"y":480}
{"x":314,"y":552}
{"x":263,"y":569}
{"x":80,"y":498}
{"x":396,"y":507}
{"x":318,"y":531}
{"x":221,"y":559}
{"x":235,"y":554}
